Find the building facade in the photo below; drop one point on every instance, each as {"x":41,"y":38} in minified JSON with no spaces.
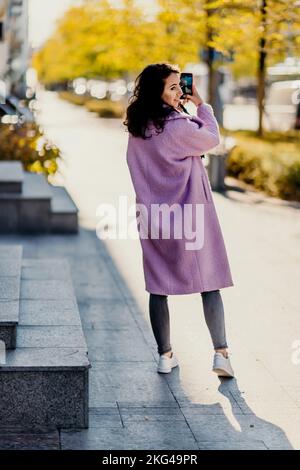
{"x":14,"y":45}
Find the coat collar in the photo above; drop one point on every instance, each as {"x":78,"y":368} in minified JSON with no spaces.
{"x":181,"y":115}
{"x":174,"y":114}
{"x":178,"y":115}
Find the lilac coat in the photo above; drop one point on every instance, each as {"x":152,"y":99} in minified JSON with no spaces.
{"x":168,"y":169}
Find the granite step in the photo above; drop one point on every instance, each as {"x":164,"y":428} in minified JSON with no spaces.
{"x":29,"y":204}
{"x":64,"y":212}
{"x":10,"y":280}
{"x":29,"y":211}
{"x":11,"y":177}
{"x":44,"y":381}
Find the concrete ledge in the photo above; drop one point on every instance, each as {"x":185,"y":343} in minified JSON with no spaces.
{"x":44,"y":381}
{"x":11,"y":177}
{"x":49,"y":312}
{"x":38,"y":208}
{"x":45,"y":359}
{"x":29,"y":211}
{"x":8,"y":333}
{"x":11,"y":252}
{"x":9,"y":312}
{"x":64,"y":212}
{"x":10,"y":279}
{"x":48,"y":399}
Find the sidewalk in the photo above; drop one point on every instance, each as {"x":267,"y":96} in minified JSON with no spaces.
{"x":131,"y":405}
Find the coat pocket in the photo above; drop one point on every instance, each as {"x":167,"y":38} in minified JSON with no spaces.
{"x":206,"y":189}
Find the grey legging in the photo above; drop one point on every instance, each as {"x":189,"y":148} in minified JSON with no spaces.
{"x":213,"y":312}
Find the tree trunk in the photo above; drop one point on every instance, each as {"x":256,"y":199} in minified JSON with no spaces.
{"x":261,"y":70}
{"x":213,"y":74}
{"x":210,"y":61}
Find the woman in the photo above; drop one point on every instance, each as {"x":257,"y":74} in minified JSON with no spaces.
{"x":163,"y":156}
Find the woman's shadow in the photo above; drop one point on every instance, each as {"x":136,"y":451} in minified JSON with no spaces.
{"x":272,"y":435}
{"x":213,"y":429}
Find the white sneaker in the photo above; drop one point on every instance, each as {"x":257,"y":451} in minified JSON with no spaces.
{"x":222,"y":366}
{"x":166,"y":364}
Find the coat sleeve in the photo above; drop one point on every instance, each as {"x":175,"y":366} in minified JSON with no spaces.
{"x":186,"y":137}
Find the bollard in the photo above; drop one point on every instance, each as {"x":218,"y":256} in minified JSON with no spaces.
{"x":216,"y":170}
{"x":216,"y":167}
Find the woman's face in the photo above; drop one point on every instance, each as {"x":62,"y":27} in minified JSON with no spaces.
{"x":172,"y":90}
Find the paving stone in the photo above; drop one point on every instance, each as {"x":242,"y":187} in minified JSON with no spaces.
{"x":133,"y":414}
{"x":107,"y":315}
{"x":84,"y":267}
{"x":233,"y":445}
{"x":10,"y":267}
{"x":46,"y":290}
{"x":195,"y":396}
{"x":9,"y":288}
{"x":294,"y":392}
{"x":202,"y":407}
{"x":105,"y":416}
{"x":213,"y":428}
{"x":76,"y":246}
{"x":9,"y":311}
{"x":111,"y":383}
{"x":109,"y":345}
{"x":148,"y":435}
{"x":45,"y":269}
{"x":50,"y":337}
{"x":98,"y":290}
{"x":10,"y":251}
{"x":252,"y":402}
{"x":48,"y":312}
{"x":46,"y":359}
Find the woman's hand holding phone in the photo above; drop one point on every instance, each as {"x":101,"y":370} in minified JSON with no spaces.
{"x":194,"y":98}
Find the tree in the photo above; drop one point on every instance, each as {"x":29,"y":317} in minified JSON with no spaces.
{"x":258,"y":33}
{"x":98,"y":39}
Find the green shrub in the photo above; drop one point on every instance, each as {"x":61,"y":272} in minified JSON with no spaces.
{"x":289,"y":183}
{"x":28,"y":145}
{"x":271,"y":164}
{"x":106,"y":108}
{"x":73,"y":98}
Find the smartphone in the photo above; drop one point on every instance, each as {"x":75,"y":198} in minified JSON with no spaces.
{"x":186,"y":83}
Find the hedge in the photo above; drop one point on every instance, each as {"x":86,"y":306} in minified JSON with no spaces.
{"x":271,"y":164}
{"x":104,"y":108}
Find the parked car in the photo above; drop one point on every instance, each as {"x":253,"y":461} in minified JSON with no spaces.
{"x":282,"y":105}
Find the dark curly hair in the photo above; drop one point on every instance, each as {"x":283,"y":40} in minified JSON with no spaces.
{"x":146,"y":103}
